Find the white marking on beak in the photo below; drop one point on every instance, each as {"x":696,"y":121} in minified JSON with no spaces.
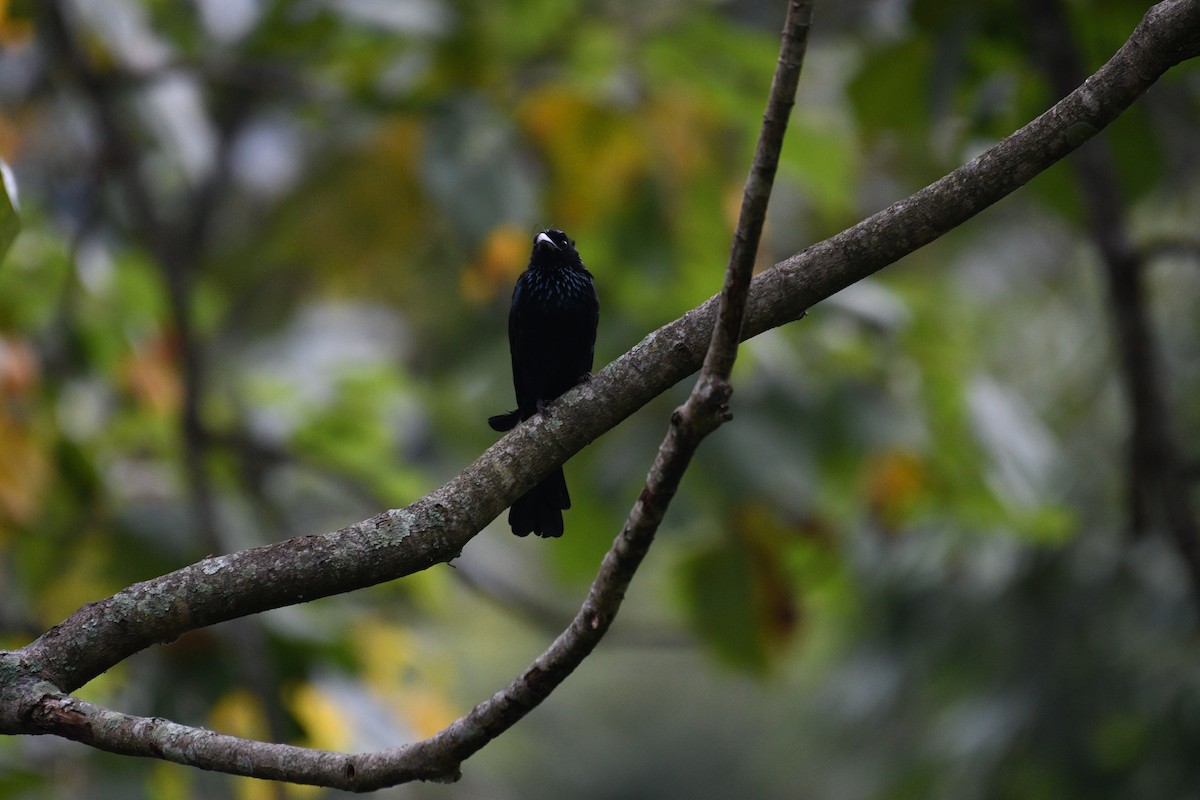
{"x":541,"y":237}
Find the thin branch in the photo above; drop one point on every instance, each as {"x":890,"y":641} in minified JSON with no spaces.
{"x":703,"y":412}
{"x":718,"y":362}
{"x":436,"y":527}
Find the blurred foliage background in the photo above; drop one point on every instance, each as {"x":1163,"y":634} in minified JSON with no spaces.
{"x":260,"y":290}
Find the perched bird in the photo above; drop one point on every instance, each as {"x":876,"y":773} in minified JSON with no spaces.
{"x":552,"y":338}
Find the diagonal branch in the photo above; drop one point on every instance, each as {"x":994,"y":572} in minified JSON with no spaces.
{"x":435,"y":528}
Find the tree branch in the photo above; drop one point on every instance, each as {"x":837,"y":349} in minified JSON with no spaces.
{"x":440,"y":756}
{"x":435,"y":528}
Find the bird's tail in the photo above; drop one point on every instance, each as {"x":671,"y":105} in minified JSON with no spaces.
{"x":540,"y":510}
{"x":504,"y":422}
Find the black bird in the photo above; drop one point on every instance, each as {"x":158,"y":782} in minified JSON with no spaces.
{"x":552,"y":338}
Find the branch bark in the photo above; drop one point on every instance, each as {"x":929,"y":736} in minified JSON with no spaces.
{"x":34,"y":680}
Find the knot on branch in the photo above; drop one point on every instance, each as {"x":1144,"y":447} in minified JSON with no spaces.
{"x":21,"y":693}
{"x":705,"y":410}
{"x":54,"y":711}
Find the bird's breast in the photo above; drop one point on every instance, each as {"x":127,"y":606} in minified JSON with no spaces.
{"x":559,"y":289}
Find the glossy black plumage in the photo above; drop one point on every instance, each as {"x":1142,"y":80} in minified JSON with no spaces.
{"x":552,"y":338}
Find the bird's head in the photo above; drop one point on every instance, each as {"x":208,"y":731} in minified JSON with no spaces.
{"x":553,"y":248}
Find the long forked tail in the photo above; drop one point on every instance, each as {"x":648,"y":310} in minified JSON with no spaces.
{"x":540,"y":510}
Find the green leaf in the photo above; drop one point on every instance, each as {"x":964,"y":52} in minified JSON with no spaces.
{"x":738,"y":593}
{"x":718,"y":591}
{"x":891,"y":90}
{"x":821,"y":158}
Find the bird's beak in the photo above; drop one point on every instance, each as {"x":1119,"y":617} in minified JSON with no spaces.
{"x":543,"y":239}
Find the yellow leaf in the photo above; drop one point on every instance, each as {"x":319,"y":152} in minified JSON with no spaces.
{"x":13,"y":32}
{"x":502,"y":257}
{"x":596,"y":155}
{"x":682,"y":131}
{"x":151,"y":374}
{"x":24,"y":470}
{"x":239,"y":713}
{"x":320,"y":716}
{"x":24,"y":465}
{"x":896,"y":482}
{"x":407,"y":675}
{"x":169,"y":782}
{"x":82,"y":578}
